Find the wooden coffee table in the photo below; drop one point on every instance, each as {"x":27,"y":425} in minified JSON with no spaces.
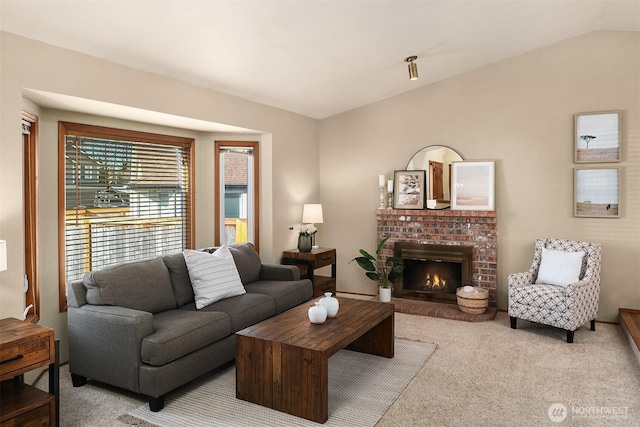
{"x":282,"y":362}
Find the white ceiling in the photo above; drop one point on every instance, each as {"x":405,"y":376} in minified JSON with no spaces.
{"x":315,"y":58}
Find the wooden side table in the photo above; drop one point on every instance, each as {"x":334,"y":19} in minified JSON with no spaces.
{"x":26,"y":346}
{"x":310,"y":261}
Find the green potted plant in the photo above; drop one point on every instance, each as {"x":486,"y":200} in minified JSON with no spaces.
{"x":380,"y":270}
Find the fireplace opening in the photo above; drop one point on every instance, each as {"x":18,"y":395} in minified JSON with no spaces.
{"x":432,"y":276}
{"x":432,"y":272}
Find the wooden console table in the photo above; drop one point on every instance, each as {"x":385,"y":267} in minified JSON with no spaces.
{"x":310,"y":261}
{"x":25,"y":346}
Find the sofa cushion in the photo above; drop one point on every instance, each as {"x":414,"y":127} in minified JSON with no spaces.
{"x":140,"y":285}
{"x":179,"y":278}
{"x":180,"y":332}
{"x":285,"y":294}
{"x":248,"y":262}
{"x":213,"y":276}
{"x":244,"y":310}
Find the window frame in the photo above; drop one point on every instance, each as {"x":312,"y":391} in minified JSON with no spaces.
{"x":31,"y":247}
{"x":94,"y":131}
{"x":254,"y":145}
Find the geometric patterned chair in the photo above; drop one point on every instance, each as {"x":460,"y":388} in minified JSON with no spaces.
{"x":567,"y":306}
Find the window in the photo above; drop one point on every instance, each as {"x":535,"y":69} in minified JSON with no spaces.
{"x":236,"y":192}
{"x":30,"y":167}
{"x":126,"y":195}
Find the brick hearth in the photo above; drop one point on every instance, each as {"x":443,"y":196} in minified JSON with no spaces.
{"x":446,"y":227}
{"x":439,"y":309}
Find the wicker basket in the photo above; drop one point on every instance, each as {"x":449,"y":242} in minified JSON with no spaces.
{"x":473,"y":302}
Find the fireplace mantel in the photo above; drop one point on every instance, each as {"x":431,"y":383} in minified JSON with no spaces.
{"x":478,"y":229}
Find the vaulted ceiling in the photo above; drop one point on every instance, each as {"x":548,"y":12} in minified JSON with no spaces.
{"x":315,"y":58}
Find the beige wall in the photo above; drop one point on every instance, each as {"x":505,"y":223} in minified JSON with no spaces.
{"x":520,"y":113}
{"x":286,"y":182}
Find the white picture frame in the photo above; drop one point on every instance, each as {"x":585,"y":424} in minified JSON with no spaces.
{"x":473,"y":185}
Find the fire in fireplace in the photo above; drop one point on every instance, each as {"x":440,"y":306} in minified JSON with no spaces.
{"x":432,"y":272}
{"x":432,"y":276}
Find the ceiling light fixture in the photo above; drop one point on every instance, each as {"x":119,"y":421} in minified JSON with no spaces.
{"x":413,"y":68}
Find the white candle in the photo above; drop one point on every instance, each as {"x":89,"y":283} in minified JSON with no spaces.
{"x":381,"y":180}
{"x":390,"y":186}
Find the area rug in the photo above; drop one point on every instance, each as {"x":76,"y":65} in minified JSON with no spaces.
{"x":361,"y":389}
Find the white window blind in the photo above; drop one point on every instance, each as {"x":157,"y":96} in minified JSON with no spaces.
{"x":125,"y":199}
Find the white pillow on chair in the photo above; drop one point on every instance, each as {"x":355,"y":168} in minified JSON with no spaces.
{"x":213,"y":276}
{"x":559,"y":268}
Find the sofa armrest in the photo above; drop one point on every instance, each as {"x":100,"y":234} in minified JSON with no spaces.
{"x":584,"y":295}
{"x":520,"y":279}
{"x":76,"y":294}
{"x":582,"y":284}
{"x":105,"y":343}
{"x":279,"y":272}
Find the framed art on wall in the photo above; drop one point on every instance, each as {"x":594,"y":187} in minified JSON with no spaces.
{"x":409,"y":186}
{"x":473,"y":185}
{"x":597,"y":137}
{"x":596,"y":192}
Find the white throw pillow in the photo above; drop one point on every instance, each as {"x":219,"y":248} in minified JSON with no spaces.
{"x":213,"y":276}
{"x":559,"y":268}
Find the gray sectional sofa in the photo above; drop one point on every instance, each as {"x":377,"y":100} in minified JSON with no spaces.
{"x":135,"y":325}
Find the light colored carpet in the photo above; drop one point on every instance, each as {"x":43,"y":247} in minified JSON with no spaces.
{"x":361,"y":389}
{"x":487,"y":374}
{"x":481,"y":374}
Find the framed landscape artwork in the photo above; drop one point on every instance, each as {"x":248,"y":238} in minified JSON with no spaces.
{"x":597,"y":137}
{"x":473,"y":186}
{"x":408,"y":189}
{"x":597,"y":192}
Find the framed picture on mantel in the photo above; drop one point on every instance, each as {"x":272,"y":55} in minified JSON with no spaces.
{"x":473,"y":185}
{"x":408,"y":189}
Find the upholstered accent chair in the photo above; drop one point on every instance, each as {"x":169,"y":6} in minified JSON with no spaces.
{"x":561,"y":288}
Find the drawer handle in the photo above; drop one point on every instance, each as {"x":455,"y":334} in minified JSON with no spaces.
{"x":18,"y":357}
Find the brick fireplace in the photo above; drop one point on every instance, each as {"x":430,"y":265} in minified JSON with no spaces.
{"x":475,"y":230}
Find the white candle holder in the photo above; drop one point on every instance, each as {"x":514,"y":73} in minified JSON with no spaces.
{"x":382,"y":197}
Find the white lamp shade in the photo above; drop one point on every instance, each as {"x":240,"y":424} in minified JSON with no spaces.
{"x":312,"y":214}
{"x":3,"y":255}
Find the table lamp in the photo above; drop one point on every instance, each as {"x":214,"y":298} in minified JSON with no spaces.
{"x":312,"y":214}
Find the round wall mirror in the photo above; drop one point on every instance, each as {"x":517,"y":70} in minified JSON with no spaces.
{"x":436,"y":161}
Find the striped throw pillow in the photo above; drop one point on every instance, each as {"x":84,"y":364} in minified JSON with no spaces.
{"x":559,"y":268}
{"x":213,"y":276}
